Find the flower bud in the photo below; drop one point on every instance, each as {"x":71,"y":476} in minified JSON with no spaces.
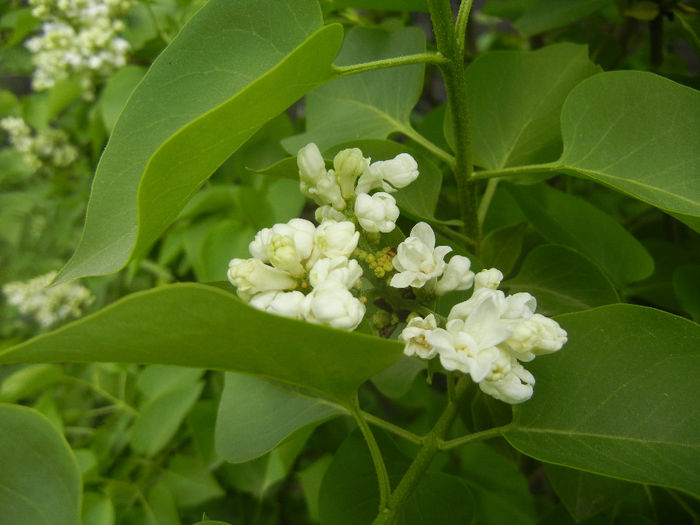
{"x":315,"y":181}
{"x":334,"y":239}
{"x":325,"y":213}
{"x":252,"y":276}
{"x":333,"y":305}
{"x":456,"y":277}
{"x":341,"y":270}
{"x":376,"y":213}
{"x":349,"y":164}
{"x":490,"y":278}
{"x":389,"y":175}
{"x":285,"y":304}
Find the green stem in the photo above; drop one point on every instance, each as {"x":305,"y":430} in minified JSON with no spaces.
{"x":431,"y":147}
{"x":377,"y":459}
{"x":448,"y":232}
{"x":453,"y":75}
{"x":548,"y":167}
{"x":394,"y":429}
{"x":418,"y":58}
{"x":476,"y":436}
{"x":486,"y":199}
{"x":461,"y":24}
{"x":431,"y":445}
{"x":115,"y":400}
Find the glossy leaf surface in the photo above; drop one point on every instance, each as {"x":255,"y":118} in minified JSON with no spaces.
{"x":638,"y":133}
{"x":204,"y":327}
{"x":516,"y":98}
{"x":367,"y":105}
{"x":562,"y":280}
{"x":169,"y":138}
{"x":620,"y":399}
{"x":255,"y":415}
{"x":570,"y":220}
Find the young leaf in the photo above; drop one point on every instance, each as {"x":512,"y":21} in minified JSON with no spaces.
{"x":516,"y":97}
{"x":367,"y":105}
{"x":204,"y":327}
{"x":620,"y":399}
{"x":255,"y":415}
{"x":562,"y":280}
{"x":39,"y":477}
{"x":236,"y":65}
{"x":638,"y":133}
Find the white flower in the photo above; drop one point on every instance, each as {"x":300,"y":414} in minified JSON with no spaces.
{"x":414,"y":335}
{"x":389,"y":175}
{"x":252,"y":276}
{"x":376,"y":213}
{"x":326,"y":212}
{"x":334,"y":239}
{"x":48,"y":305}
{"x":332,"y":304}
{"x":537,"y":335}
{"x":341,"y":270}
{"x":349,"y":164}
{"x":468,"y":344}
{"x":286,"y":304}
{"x":417,"y":259}
{"x":285,"y":246}
{"x":514,"y":386}
{"x":315,"y":181}
{"x":490,"y":278}
{"x":457,"y":276}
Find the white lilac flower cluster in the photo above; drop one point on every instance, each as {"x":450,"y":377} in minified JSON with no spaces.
{"x":49,"y":148}
{"x":487,"y":337}
{"x":78,"y":37}
{"x":304,"y":271}
{"x":48,"y":306}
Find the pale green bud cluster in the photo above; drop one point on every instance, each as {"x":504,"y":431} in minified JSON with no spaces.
{"x":79,"y":37}
{"x":50,"y":149}
{"x":48,"y":306}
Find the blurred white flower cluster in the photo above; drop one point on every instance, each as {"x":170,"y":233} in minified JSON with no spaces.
{"x":79,"y":37}
{"x":49,"y":148}
{"x":308,"y":272}
{"x":48,"y":306}
{"x":487,"y":336}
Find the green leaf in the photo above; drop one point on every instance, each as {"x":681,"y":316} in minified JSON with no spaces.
{"x":367,"y":105}
{"x":311,"y":478}
{"x":190,"y":482}
{"x":255,"y":415}
{"x":39,"y":478}
{"x":516,"y":97}
{"x":551,"y":14}
{"x":584,"y":495}
{"x":349,"y":492}
{"x":637,"y":133}
{"x":97,"y":509}
{"x":396,"y":381}
{"x":566,"y":219}
{"x":160,"y":418}
{"x":27,"y":381}
{"x":686,"y":284}
{"x":196,"y":105}
{"x":501,"y":247}
{"x":204,"y":327}
{"x":116,"y":92}
{"x":620,"y":399}
{"x":562,"y":280}
{"x":156,"y":380}
{"x":501,"y":492}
